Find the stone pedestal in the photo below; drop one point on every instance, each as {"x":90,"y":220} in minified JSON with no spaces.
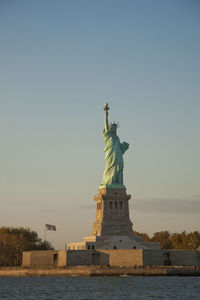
{"x":112,"y":213}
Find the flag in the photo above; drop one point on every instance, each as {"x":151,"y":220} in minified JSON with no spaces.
{"x":50,"y":227}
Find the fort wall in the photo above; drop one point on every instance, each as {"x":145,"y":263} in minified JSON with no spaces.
{"x":125,"y":257}
{"x":111,"y":257}
{"x":40,"y":258}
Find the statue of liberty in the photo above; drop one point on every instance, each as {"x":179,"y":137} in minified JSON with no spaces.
{"x":113,"y":173}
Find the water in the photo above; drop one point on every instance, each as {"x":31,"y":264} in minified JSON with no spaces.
{"x":136,"y":288}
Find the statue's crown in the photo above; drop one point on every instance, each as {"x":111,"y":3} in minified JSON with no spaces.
{"x":114,"y":124}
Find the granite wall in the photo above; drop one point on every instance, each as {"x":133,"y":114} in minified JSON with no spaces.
{"x":40,"y":258}
{"x":116,"y":257}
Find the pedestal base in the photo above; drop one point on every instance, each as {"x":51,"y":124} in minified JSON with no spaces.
{"x":112,"y":213}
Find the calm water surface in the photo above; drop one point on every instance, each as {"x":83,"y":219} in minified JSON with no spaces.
{"x":100,"y":288}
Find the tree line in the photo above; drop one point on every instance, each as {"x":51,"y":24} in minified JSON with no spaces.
{"x":13,"y":241}
{"x":178,"y":241}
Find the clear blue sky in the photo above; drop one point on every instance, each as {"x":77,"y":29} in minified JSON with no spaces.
{"x":60,"y":61}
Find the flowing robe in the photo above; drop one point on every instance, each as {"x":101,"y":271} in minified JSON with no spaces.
{"x":113,"y":173}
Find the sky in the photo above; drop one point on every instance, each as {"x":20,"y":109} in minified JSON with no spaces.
{"x":60,"y":61}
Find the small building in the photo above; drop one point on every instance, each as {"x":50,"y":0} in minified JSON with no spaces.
{"x":112,"y":242}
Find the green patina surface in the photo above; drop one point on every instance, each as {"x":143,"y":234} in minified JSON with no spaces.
{"x":114,"y":149}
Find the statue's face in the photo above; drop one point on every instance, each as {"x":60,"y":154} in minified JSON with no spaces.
{"x":113,"y":129}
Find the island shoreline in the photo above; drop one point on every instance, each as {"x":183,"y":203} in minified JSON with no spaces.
{"x":98,"y":271}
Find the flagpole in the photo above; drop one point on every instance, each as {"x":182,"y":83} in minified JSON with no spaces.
{"x":45,"y":232}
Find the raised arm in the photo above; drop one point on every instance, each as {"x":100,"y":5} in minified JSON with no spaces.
{"x":106,"y":108}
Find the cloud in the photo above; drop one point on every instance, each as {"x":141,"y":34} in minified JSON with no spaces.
{"x":172,"y":206}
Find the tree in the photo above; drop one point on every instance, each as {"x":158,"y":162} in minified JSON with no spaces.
{"x":13,"y":241}
{"x":145,"y":237}
{"x":179,"y":241}
{"x":193,"y":240}
{"x":164,"y":238}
